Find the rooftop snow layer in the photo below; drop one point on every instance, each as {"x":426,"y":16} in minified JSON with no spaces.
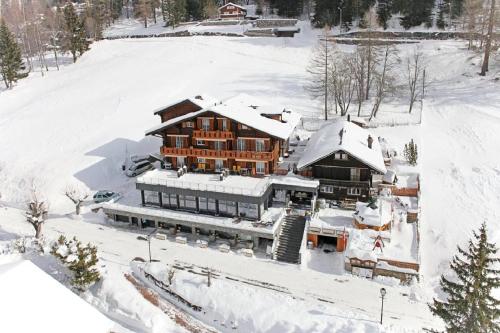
{"x":354,"y":142}
{"x":242,"y":109}
{"x":202,"y":101}
{"x":33,"y":301}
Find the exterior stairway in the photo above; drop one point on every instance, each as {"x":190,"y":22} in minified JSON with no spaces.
{"x":290,"y":239}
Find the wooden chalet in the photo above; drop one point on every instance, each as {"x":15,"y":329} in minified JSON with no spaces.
{"x":231,"y":11}
{"x":206,"y":135}
{"x":343,"y":157}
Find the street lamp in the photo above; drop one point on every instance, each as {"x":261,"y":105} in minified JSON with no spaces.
{"x":149,"y":242}
{"x":382,"y":294}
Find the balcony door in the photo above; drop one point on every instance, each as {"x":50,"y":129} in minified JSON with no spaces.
{"x":179,"y":142}
{"x":241,"y":145}
{"x":259,"y":145}
{"x":205,"y":124}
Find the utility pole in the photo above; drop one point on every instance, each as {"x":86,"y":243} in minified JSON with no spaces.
{"x":449,"y":16}
{"x":340,"y":19}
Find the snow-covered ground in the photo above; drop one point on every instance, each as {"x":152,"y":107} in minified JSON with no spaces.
{"x":76,"y":125}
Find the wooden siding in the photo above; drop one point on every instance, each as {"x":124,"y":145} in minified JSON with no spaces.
{"x":179,"y":109}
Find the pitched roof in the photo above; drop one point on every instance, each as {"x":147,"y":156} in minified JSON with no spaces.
{"x":201,"y":101}
{"x":232,"y":4}
{"x":326,"y":141}
{"x":33,"y":301}
{"x":239,"y":109}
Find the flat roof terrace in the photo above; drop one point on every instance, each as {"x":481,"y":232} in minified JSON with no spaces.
{"x":240,"y":185}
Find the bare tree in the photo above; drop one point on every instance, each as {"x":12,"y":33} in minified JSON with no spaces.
{"x":371,"y":23}
{"x":77,"y":196}
{"x":342,"y":83}
{"x":472,"y":8}
{"x":209,"y":277}
{"x":357,"y":64}
{"x":318,"y":70}
{"x":36,"y":212}
{"x":415,"y":69}
{"x":489,"y":38}
{"x":384,"y":78}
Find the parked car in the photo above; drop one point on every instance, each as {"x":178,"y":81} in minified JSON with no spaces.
{"x":137,"y":168}
{"x":105,"y":196}
{"x":134,"y":159}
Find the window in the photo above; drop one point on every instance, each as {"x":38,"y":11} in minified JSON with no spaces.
{"x":244,"y":127}
{"x":241,"y":144}
{"x":260,"y":167}
{"x":326,"y":189}
{"x":340,"y":156}
{"x":219,"y":164}
{"x":353,"y":191}
{"x":200,"y":142}
{"x":179,"y":142}
{"x":189,"y":124}
{"x":259,"y":145}
{"x":180,"y":162}
{"x":218,"y":145}
{"x":224,"y":124}
{"x":201,"y":160}
{"x":205,"y":124}
{"x":355,"y":174}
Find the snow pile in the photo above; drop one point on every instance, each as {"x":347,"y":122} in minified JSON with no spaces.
{"x":375,"y":214}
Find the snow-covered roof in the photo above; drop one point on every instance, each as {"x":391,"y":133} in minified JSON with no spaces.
{"x":232,"y":4}
{"x":201,"y":101}
{"x":354,"y":141}
{"x":33,"y":301}
{"x":376,"y":215}
{"x":241,"y":109}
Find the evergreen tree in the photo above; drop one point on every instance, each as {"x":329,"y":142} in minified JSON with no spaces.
{"x":440,"y":19}
{"x":80,"y":260}
{"x":383,"y":12}
{"x":288,"y":8}
{"x":470,"y":306}
{"x":174,"y":12}
{"x":194,"y":10}
{"x":84,"y":267}
{"x":416,"y":12}
{"x":75,"y":40}
{"x":411,"y":153}
{"x":11,"y":62}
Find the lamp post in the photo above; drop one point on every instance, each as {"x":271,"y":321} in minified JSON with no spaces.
{"x":382,"y":294}
{"x":149,"y":242}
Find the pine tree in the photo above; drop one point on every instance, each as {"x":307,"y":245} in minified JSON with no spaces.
{"x":470,"y":305}
{"x":84,"y":267}
{"x":11,"y":62}
{"x":288,"y":8}
{"x":411,"y":153}
{"x":174,"y":11}
{"x":80,"y":260}
{"x":440,"y":19}
{"x":75,"y":40}
{"x":383,"y":12}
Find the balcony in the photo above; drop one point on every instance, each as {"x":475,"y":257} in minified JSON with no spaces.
{"x":222,"y":154}
{"x":207,"y":135}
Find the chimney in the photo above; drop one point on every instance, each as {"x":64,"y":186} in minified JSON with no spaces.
{"x":370,"y":141}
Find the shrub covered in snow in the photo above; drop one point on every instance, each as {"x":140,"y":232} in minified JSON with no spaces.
{"x":80,"y":259}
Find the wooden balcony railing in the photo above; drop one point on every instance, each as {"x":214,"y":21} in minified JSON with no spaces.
{"x":232,"y":154}
{"x":199,"y":134}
